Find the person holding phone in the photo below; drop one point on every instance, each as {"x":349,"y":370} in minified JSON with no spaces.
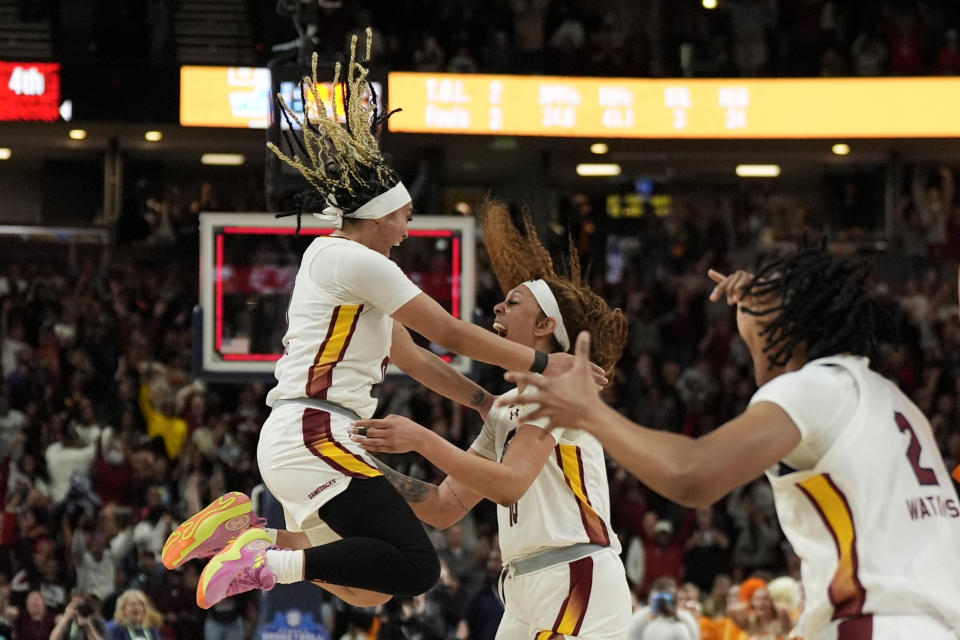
{"x":79,"y":621}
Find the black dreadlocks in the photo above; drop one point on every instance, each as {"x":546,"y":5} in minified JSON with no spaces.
{"x":821,"y":303}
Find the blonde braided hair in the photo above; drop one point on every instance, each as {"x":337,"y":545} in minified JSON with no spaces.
{"x":343,"y":164}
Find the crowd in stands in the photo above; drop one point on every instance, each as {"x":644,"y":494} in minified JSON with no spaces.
{"x":651,"y":38}
{"x":657,"y":38}
{"x":106,"y":441}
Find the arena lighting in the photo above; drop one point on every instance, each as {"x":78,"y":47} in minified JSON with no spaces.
{"x":5,"y":153}
{"x":709,"y":4}
{"x":758,"y":170}
{"x":841,"y":149}
{"x":599,"y":148}
{"x":78,"y":134}
{"x":153,"y":136}
{"x":223,"y":159}
{"x":589,"y":170}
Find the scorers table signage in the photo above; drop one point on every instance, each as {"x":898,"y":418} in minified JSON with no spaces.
{"x":676,"y":108}
{"x":29,"y":91}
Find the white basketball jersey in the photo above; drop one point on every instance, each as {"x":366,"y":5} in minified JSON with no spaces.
{"x":339,"y":326}
{"x":876,"y":522}
{"x":568,"y":503}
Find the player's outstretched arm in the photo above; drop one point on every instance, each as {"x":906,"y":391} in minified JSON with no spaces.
{"x":504,"y":483}
{"x":425,"y":316}
{"x":431,"y":371}
{"x":691,"y":472}
{"x":440,"y":506}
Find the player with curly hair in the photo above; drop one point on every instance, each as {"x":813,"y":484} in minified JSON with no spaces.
{"x":563,"y":576}
{"x":861,"y":490}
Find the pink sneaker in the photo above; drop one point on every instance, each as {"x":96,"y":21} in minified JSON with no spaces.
{"x":240,"y":567}
{"x":210,"y":530}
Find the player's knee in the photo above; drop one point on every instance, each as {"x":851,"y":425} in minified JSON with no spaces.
{"x":426,"y":575}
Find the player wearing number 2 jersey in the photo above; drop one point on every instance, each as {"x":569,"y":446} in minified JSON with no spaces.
{"x":860,"y":487}
{"x":563,"y":574}
{"x":347,"y":528}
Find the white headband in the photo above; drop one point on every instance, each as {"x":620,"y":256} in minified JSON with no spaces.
{"x":546,"y":300}
{"x":382,"y":205}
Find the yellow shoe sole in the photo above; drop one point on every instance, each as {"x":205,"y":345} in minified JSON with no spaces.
{"x":198,"y":529}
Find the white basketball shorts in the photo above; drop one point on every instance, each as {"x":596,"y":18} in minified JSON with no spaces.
{"x":306,"y":458}
{"x":880,"y":627}
{"x":587,"y":598}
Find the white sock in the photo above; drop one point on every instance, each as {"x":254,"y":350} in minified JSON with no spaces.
{"x":288,"y":565}
{"x":273,"y":535}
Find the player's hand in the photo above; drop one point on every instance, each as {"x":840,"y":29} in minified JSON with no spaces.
{"x":729,"y":286}
{"x":559,"y":363}
{"x":393,"y":434}
{"x":566,"y":400}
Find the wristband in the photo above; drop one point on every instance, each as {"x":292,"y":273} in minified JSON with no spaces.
{"x":540,"y":361}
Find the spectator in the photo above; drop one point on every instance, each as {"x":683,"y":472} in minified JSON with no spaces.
{"x":34,"y":621}
{"x":158,"y":404}
{"x":27,"y":473}
{"x":8,"y":613}
{"x":79,"y":621}
{"x":52,"y":581}
{"x":661,"y":619}
{"x":706,"y":552}
{"x":663,"y":556}
{"x":409,"y":618}
{"x":869,"y":54}
{"x":758,"y":615}
{"x":96,"y":566}
{"x":786,"y":595}
{"x":757,"y":545}
{"x":460,"y":562}
{"x":12,"y":425}
{"x":134,"y":618}
{"x":688,"y":599}
{"x":12,"y":346}
{"x":66,"y":457}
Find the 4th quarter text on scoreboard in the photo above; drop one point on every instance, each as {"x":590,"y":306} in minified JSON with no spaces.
{"x":672,"y":108}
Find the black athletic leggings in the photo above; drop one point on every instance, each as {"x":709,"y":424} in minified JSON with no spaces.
{"x":384,"y":546}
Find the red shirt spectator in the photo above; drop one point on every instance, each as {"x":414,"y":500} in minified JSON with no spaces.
{"x":34,"y":621}
{"x":663,"y":555}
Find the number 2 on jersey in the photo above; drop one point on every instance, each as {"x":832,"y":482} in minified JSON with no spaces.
{"x":925,"y":475}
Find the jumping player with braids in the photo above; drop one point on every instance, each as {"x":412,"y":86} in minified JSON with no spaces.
{"x":347,"y":528}
{"x":563,"y":574}
{"x":860,"y":488}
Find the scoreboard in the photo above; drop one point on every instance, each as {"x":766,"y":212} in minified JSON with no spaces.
{"x":29,"y":91}
{"x":675,"y":108}
{"x":241,"y":97}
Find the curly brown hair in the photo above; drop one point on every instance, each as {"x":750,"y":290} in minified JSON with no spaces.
{"x":517,"y":256}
